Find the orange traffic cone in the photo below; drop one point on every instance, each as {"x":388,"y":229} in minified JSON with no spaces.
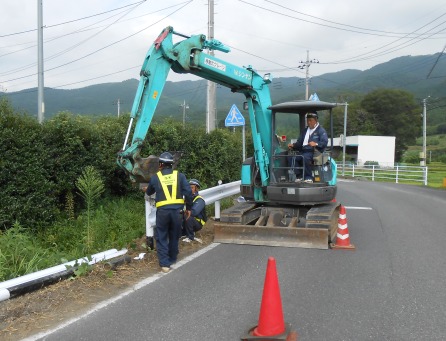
{"x":342,"y":237}
{"x":271,"y":324}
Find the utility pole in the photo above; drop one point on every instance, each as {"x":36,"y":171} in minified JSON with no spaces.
{"x":40,"y":88}
{"x":185,"y":106}
{"x":344,"y":142}
{"x":118,"y":103}
{"x":423,"y":156}
{"x":306,"y":65}
{"x":211,"y":86}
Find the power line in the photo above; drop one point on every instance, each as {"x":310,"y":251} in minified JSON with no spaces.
{"x":433,"y":66}
{"x":68,"y":49}
{"x":104,"y":47}
{"x":395,"y":35}
{"x":71,"y":21}
{"x":334,"y":22}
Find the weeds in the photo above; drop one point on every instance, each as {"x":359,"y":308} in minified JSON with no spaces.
{"x":90,"y":186}
{"x":19,"y":253}
{"x":115,"y":223}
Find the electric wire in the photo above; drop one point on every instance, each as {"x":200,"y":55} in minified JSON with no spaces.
{"x":71,"y":21}
{"x":334,"y":22}
{"x":104,"y":47}
{"x":395,"y":35}
{"x":31,"y":65}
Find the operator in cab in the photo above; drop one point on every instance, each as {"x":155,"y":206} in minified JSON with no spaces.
{"x":313,"y":137}
{"x":172,"y":192}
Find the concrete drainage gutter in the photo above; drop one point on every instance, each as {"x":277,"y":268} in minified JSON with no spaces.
{"x":36,"y":280}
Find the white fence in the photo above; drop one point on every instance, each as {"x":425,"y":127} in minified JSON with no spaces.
{"x":397,"y":173}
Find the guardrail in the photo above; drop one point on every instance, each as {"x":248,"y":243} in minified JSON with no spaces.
{"x":215,"y":194}
{"x":406,"y":174}
{"x":35,"y":280}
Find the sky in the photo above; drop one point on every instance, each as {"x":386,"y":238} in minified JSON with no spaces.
{"x":100,"y":41}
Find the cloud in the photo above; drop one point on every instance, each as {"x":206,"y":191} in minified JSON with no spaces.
{"x":89,"y":42}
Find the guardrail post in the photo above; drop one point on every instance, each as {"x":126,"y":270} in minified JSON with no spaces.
{"x":373,"y":172}
{"x":425,"y":176}
{"x":150,"y":224}
{"x":217,"y":206}
{"x":396,"y":176}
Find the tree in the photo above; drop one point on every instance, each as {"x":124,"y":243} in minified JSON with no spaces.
{"x":359,"y":121}
{"x":394,"y":113}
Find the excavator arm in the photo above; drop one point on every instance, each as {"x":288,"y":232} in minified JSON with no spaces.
{"x":187,"y":56}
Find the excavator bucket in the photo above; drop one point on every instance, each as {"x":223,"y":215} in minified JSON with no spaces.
{"x":145,"y":168}
{"x":306,"y":227}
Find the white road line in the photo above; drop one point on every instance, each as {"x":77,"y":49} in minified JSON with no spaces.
{"x":357,"y":208}
{"x":137,"y":286}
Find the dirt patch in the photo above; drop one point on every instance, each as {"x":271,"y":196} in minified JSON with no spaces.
{"x":48,"y":307}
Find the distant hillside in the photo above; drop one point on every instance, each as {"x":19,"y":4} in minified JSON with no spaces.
{"x":408,"y":73}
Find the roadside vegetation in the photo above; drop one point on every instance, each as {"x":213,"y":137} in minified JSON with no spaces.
{"x":63,"y":196}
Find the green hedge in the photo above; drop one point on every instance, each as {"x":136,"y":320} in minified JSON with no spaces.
{"x":26,"y":190}
{"x":40,"y":163}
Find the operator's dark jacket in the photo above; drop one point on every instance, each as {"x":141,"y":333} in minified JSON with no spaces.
{"x":319,"y":136}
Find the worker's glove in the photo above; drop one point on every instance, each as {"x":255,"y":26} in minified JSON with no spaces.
{"x":147,"y":197}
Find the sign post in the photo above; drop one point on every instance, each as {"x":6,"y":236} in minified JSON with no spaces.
{"x":236,"y":119}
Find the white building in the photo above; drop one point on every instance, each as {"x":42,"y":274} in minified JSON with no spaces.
{"x":361,"y":148}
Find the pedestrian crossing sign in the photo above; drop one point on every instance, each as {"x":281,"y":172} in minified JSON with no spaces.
{"x":314,"y":97}
{"x":234,"y":118}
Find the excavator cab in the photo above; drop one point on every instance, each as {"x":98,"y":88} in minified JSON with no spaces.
{"x":285,"y":162}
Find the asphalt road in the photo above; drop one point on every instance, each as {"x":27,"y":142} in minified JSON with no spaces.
{"x":390,"y":288}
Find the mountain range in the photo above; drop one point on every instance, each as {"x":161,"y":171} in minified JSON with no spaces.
{"x":421,"y":75}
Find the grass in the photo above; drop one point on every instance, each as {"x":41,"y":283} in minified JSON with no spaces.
{"x":436,"y":175}
{"x":114,"y":224}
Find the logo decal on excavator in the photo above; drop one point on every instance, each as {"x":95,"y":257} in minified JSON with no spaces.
{"x":215,"y":64}
{"x":242,"y":74}
{"x":155,"y":94}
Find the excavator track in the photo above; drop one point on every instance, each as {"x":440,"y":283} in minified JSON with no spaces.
{"x":255,"y":224}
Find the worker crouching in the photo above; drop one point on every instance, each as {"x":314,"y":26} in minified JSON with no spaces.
{"x":197,"y":217}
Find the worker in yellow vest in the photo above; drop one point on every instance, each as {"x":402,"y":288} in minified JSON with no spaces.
{"x":172,"y":193}
{"x":197,"y":217}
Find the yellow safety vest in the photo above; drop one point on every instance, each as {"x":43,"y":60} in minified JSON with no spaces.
{"x":201,"y":221}
{"x":171,"y":196}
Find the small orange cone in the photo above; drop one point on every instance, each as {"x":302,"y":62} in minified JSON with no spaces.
{"x":342,"y":237}
{"x":271,"y":324}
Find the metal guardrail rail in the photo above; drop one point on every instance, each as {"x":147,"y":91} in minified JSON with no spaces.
{"x":213,"y":194}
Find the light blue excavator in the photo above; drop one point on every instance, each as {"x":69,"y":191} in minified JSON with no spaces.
{"x":276,"y":210}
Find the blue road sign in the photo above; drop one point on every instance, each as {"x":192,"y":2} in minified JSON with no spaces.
{"x":314,"y":97}
{"x":234,"y":118}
